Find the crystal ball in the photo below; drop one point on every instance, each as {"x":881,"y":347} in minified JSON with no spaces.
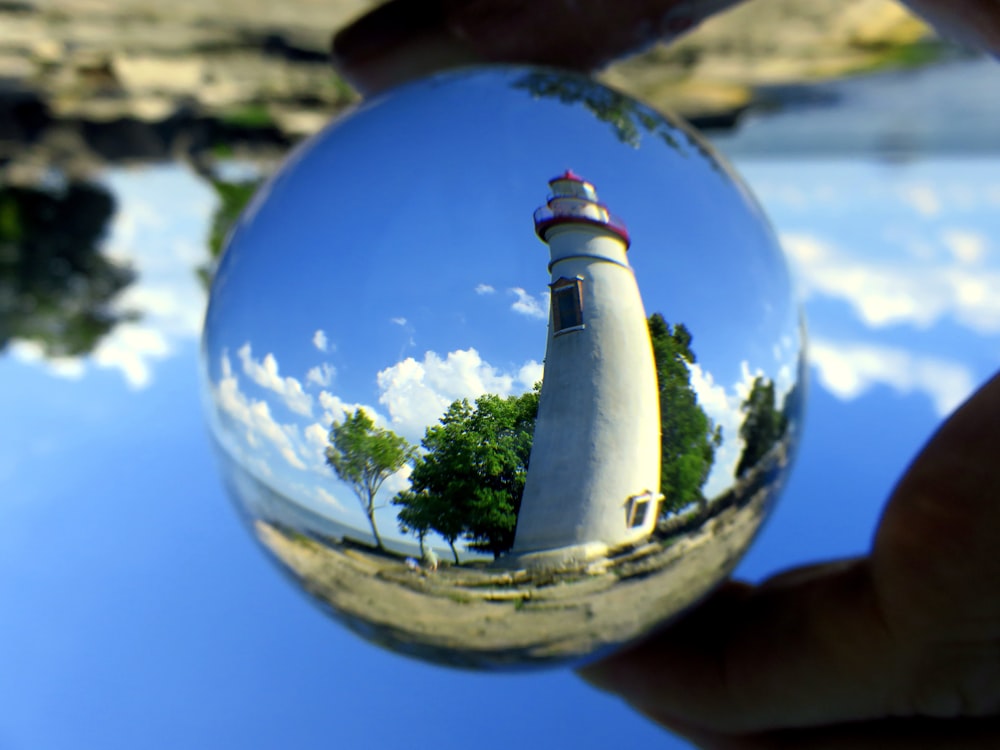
{"x":504,"y":368}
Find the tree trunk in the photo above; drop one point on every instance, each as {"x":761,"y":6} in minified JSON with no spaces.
{"x":422,"y":551}
{"x":371,"y":520}
{"x":451,"y":543}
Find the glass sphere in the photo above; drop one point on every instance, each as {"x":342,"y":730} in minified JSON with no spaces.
{"x":504,"y":368}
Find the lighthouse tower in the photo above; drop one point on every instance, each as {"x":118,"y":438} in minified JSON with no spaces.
{"x":594,"y":473}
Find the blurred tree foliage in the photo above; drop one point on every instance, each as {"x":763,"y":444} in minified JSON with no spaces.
{"x":56,"y":287}
{"x":470,"y":479}
{"x":764,"y":424}
{"x":233,"y":198}
{"x":627,"y":117}
{"x":688,"y":437}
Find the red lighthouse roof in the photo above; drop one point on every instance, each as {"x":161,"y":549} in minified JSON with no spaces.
{"x":576,"y":203}
{"x":569,"y":174}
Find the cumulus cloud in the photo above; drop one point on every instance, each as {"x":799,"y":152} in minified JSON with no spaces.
{"x":321,"y":375}
{"x":320,"y":340}
{"x":398,"y":321}
{"x":904,"y":289}
{"x":316,"y":437}
{"x":850,"y":369}
{"x":531,"y":307}
{"x":484,"y":289}
{"x":921,"y":197}
{"x":265,"y":374}
{"x":166,"y":293}
{"x":724,"y":407}
{"x":326,"y":498}
{"x":531,"y":372}
{"x":417,"y":393}
{"x":130,"y":350}
{"x":254,"y":419}
{"x":968,"y":248}
{"x":31,"y":352}
{"x":334,"y":409}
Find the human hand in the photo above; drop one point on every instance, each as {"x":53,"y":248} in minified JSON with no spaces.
{"x":402,"y":40}
{"x":898,"y":649}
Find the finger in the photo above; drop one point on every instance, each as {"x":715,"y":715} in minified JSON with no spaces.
{"x":840,"y":643}
{"x":890,"y":734}
{"x":807,"y":649}
{"x":404,"y":39}
{"x":399,"y":41}
{"x":974,"y":22}
{"x":935,"y":563}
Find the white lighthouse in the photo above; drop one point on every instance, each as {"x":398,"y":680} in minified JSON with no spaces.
{"x":594,"y":473}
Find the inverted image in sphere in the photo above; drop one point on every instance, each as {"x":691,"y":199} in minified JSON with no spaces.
{"x":504,"y":368}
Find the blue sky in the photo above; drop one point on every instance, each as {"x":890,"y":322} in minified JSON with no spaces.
{"x":137,"y":611}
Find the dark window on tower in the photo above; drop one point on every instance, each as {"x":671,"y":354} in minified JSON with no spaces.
{"x":567,"y":305}
{"x":638,"y":508}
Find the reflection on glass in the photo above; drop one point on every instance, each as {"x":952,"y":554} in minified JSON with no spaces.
{"x":485,"y":440}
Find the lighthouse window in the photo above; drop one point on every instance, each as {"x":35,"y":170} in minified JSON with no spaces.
{"x":638,"y":507}
{"x":567,"y":305}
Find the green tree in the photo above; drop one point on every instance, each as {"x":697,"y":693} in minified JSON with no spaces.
{"x":470,"y":479}
{"x":763,"y":426}
{"x":688,"y":437}
{"x":364,"y":456}
{"x":423,"y":512}
{"x":626,"y":116}
{"x":56,"y":287}
{"x":233,"y":198}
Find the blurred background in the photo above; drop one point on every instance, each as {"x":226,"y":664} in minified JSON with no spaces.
{"x":135,"y":610}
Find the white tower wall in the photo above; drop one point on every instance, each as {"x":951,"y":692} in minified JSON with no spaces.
{"x":597,"y":437}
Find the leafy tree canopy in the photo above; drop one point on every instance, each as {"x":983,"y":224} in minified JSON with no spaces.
{"x":763,"y":426}
{"x":468,"y":483}
{"x":688,"y":436}
{"x":364,"y":456}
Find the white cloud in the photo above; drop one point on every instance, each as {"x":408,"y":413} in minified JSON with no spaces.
{"x":531,"y":307}
{"x":484,"y":289}
{"x":398,"y":321}
{"x":324,"y":497}
{"x":724,"y":407}
{"x":396,"y":483}
{"x":850,"y":369}
{"x":968,"y":248}
{"x":531,"y":372}
{"x":316,"y":436}
{"x":31,"y":352}
{"x":321,"y":375}
{"x":265,"y":374}
{"x":921,"y":197}
{"x":320,"y":340}
{"x":416,"y":394}
{"x":165,"y":293}
{"x":130,"y":349}
{"x":334,"y":409}
{"x":259,"y":428}
{"x":904,"y":289}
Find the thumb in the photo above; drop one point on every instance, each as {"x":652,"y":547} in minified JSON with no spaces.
{"x":912,"y":633}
